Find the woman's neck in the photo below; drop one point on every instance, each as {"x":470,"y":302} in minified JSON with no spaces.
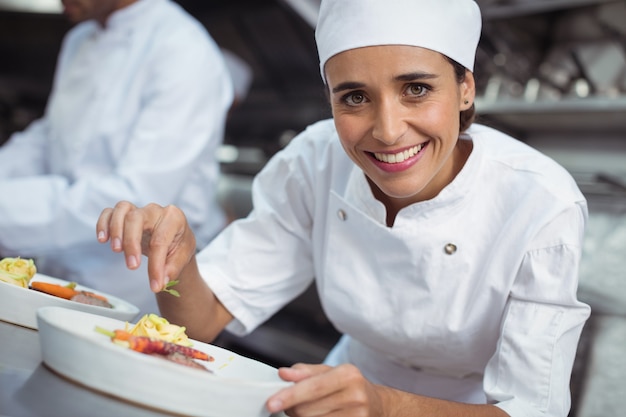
{"x":393,"y":205}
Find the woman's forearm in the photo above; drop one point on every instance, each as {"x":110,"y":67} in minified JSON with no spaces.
{"x":403,"y":404}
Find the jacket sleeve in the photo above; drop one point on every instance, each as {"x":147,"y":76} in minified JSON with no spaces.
{"x":529,"y":374}
{"x":260,"y":263}
{"x":24,"y":153}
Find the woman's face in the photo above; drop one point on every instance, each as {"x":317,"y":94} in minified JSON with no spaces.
{"x":396,"y":109}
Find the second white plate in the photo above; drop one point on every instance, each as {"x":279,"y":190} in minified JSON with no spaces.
{"x":19,"y":305}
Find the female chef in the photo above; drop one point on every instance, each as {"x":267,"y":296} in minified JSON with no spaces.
{"x":446,"y":252}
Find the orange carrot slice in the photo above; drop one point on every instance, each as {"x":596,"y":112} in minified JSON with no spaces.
{"x":53,"y":289}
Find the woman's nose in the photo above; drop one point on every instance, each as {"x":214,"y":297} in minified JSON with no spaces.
{"x":389,"y":125}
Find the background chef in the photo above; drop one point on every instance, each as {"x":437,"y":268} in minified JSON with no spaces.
{"x":137,"y":111}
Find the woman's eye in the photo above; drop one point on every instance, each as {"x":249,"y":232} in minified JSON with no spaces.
{"x":416,"y":90}
{"x":354,"y":99}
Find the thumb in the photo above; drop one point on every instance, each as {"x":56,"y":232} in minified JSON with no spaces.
{"x":298,"y":372}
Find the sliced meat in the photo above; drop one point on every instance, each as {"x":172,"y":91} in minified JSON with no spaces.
{"x":182,"y":359}
{"x":85,"y":298}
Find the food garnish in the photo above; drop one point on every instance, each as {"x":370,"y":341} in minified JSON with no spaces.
{"x":17,"y":271}
{"x":168,"y":288}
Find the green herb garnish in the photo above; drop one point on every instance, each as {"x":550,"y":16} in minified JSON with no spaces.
{"x":168,"y":288}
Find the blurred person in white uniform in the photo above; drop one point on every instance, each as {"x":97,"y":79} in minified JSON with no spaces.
{"x":242,"y":75}
{"x":445,"y":251}
{"x":137,"y":112}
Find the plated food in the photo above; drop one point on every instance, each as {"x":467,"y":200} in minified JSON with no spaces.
{"x":154,"y":335}
{"x":70,"y":292}
{"x":18,"y":304}
{"x":235,"y":385}
{"x":20,"y":272}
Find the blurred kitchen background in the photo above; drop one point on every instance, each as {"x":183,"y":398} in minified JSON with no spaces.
{"x":550,"y":72}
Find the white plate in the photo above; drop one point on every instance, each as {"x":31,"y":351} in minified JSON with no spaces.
{"x":237,"y":387}
{"x":19,"y":305}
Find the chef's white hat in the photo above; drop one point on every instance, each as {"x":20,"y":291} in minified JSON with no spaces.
{"x":451,"y":27}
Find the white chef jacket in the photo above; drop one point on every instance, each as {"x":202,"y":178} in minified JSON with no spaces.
{"x":470,"y":296}
{"x":136,"y":113}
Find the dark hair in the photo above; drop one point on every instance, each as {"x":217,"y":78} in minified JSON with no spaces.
{"x":467,"y":116}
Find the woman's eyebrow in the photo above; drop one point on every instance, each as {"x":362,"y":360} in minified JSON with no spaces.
{"x":414,"y":76}
{"x":348,"y":85}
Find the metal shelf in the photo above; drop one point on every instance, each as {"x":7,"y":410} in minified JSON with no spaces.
{"x":39,"y":6}
{"x":593,"y":114}
{"x":525,"y":8}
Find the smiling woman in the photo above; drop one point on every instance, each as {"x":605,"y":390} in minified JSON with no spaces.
{"x":446,"y":252}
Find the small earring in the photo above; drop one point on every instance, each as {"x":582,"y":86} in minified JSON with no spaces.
{"x":466,"y":101}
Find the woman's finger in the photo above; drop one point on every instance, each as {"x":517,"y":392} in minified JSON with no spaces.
{"x":170,"y":246}
{"x":134,"y":223}
{"x":312,"y":383}
{"x":102,"y":225}
{"x":300,"y":371}
{"x":117,"y":224}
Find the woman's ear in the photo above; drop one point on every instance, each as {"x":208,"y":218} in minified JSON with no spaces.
{"x":468,"y":90}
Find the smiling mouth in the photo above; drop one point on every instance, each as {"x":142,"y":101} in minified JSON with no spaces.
{"x":396,"y":158}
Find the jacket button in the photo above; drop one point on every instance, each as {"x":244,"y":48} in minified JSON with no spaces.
{"x":450,"y":248}
{"x":342,"y":215}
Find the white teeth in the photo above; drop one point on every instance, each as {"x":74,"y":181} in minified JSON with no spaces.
{"x":400,"y":156}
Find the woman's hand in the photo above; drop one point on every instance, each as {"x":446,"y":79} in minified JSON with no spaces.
{"x":160,"y":233}
{"x":321,"y":390}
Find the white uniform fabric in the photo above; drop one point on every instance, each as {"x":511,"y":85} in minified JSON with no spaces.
{"x":495,"y":321}
{"x":136,"y":113}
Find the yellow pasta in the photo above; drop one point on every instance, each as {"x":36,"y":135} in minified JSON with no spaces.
{"x":17,"y":271}
{"x":151,"y":325}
